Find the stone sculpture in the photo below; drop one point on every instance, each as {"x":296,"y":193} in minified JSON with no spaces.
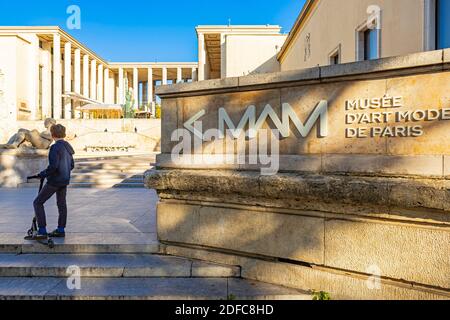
{"x":31,"y":138}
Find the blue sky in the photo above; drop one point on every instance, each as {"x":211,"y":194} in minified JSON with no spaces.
{"x":147,"y":30}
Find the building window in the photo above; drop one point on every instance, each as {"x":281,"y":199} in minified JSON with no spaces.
{"x":335,"y":56}
{"x":370,"y":44}
{"x":442,"y":24}
{"x":368,"y":41}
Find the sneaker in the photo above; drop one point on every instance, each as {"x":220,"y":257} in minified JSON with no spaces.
{"x":57,"y":234}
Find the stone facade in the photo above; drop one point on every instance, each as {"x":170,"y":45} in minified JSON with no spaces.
{"x":367,"y":198}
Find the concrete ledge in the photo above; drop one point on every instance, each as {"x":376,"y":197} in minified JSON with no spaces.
{"x":415,"y":60}
{"x":16,"y":165}
{"x":340,"y":284}
{"x":387,"y":165}
{"x":312,"y":191}
{"x":215,"y":84}
{"x":447,"y":166}
{"x":366,"y":246}
{"x":446,"y":55}
{"x":434,"y":60}
{"x":422,"y":165}
{"x":310,"y":74}
{"x":24,"y":153}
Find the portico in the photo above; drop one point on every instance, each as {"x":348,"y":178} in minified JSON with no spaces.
{"x":140,"y":79}
{"x":57,"y":74}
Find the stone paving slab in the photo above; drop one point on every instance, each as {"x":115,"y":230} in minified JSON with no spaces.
{"x":205,"y":269}
{"x":83,"y":243}
{"x":254,"y":290}
{"x":145,"y":288}
{"x":98,"y":220}
{"x":26,"y":288}
{"x":158,"y":266}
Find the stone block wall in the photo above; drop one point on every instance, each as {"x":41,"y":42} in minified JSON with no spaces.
{"x":360,"y":216}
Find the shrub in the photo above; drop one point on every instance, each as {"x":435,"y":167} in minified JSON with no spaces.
{"x":321,"y":295}
{"x":158,"y":112}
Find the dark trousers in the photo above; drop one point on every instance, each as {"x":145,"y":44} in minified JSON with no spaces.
{"x":46,"y":193}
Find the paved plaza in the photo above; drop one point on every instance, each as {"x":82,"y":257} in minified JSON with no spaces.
{"x":111,"y":238}
{"x":96,"y":217}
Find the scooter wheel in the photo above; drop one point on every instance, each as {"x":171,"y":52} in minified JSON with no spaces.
{"x":30,"y":232}
{"x":51,"y":244}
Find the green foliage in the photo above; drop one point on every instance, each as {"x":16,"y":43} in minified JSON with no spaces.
{"x":158,"y":112}
{"x":321,"y":295}
{"x":231,"y":297}
{"x":127,"y":108}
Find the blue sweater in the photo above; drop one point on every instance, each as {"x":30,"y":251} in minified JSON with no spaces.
{"x":61,"y":163}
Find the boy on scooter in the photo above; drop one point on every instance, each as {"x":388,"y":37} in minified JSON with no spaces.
{"x":61,"y":164}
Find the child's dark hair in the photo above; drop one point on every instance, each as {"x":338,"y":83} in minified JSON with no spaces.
{"x":58,"y":131}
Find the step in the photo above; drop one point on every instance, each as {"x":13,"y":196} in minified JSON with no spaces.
{"x":110,"y":166}
{"x":104,"y":171}
{"x":84,"y":243}
{"x":110,"y":265}
{"x":105,"y":180}
{"x":145,"y":289}
{"x":108,"y":174}
{"x":94,"y":185}
{"x":119,"y":185}
{"x":126,"y":157}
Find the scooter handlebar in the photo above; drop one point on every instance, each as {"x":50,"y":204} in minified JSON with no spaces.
{"x":34,"y":177}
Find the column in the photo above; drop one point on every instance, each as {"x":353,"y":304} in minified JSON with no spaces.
{"x":135,"y":88}
{"x":164,"y":76}
{"x":106,"y":87}
{"x":144,"y":94}
{"x":93,"y":80}
{"x":194,"y":75}
{"x":47,"y":82}
{"x":223,"y":60}
{"x":100,"y":83}
{"x":150,"y":91}
{"x":67,"y":79}
{"x":121,"y":85}
{"x":33,"y":89}
{"x":150,"y":85}
{"x":86,"y":76}
{"x":201,"y":57}
{"x":77,"y":78}
{"x":179,"y":75}
{"x":77,"y":71}
{"x":57,"y":78}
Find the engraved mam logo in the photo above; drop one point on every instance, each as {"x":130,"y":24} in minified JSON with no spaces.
{"x":318,"y":116}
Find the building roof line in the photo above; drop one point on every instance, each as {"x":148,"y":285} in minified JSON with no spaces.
{"x":154,"y":63}
{"x":81,"y":45}
{"x":78,"y":44}
{"x":297,"y":26}
{"x":240,"y":28}
{"x":51,"y":30}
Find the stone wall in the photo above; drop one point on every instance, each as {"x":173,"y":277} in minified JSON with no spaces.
{"x":366,"y":200}
{"x":17,"y":165}
{"x":142,"y":135}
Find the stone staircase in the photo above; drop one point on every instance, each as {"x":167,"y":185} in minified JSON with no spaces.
{"x":122,"y":272}
{"x":105,"y":173}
